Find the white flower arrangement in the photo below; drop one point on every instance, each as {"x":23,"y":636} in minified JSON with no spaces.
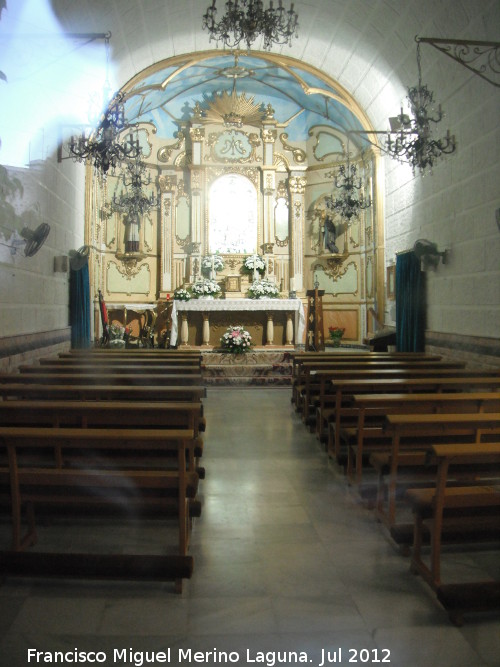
{"x":205,"y":288}
{"x":254,"y":262}
{"x":236,"y":340}
{"x":212,"y":263}
{"x":181,"y":294}
{"x":263,"y":289}
{"x":116,"y":332}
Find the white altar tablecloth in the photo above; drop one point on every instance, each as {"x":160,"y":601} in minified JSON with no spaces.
{"x":223,"y":305}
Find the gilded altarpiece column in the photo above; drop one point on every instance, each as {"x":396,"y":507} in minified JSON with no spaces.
{"x":167,"y":188}
{"x":297,"y":186}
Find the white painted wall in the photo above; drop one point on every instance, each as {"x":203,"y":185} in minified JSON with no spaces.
{"x":368,"y":46}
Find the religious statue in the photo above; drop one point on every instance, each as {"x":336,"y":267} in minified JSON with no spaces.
{"x":330,"y":235}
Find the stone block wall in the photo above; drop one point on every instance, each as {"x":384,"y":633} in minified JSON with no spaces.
{"x":29,"y":348}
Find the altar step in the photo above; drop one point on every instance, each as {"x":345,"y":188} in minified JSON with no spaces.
{"x":256,"y":368}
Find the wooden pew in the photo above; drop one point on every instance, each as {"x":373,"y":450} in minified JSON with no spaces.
{"x":343,"y":391}
{"x":319,"y":386}
{"x":299,"y":357}
{"x":54,"y":485}
{"x":415,"y":433}
{"x":304,"y":367}
{"x":23,"y":390}
{"x":104,"y":378}
{"x":467,"y":513}
{"x":316,"y":381}
{"x":370,"y":410}
{"x":111,"y":414}
{"x":116,"y":369}
{"x":112,"y":361}
{"x":143,"y":353}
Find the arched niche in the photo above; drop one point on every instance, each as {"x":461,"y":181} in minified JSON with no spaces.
{"x":232,"y":215}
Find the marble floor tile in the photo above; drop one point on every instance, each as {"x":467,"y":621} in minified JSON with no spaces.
{"x":288,"y":562}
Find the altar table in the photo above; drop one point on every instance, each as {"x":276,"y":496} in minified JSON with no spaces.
{"x":293,"y":309}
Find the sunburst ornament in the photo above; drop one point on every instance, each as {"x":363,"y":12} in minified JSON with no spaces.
{"x":234,"y":110}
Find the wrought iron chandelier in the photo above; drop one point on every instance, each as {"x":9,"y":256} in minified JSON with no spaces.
{"x":103,"y":147}
{"x":247,"y":20}
{"x":134,"y":201}
{"x":410,"y":139}
{"x":350,"y":200}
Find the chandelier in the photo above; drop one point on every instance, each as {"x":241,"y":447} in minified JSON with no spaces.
{"x":134,"y":201}
{"x":350,"y":199}
{"x":410,"y":139}
{"x":246,"y":20}
{"x":103,"y":147}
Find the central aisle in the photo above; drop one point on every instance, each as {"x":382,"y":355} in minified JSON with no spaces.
{"x":285,"y":561}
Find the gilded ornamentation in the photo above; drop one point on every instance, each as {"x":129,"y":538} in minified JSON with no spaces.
{"x":195,"y":180}
{"x":281,"y":243}
{"x":298,"y":208}
{"x":327,"y":144}
{"x":335,"y":267}
{"x":181,"y":188}
{"x":252,"y":173}
{"x":128,"y":267}
{"x":280,"y":163}
{"x":355,"y":244}
{"x":167,"y":183}
{"x":233,"y":146}
{"x":297,"y":184}
{"x":268,"y":136}
{"x":299,"y":155}
{"x":233,"y":110}
{"x":165,"y":153}
{"x":234,"y":261}
{"x":282,"y":191}
{"x":269,"y":185}
{"x":369,"y":235}
{"x":198,"y":112}
{"x":197,"y":133}
{"x":184,"y":159}
{"x":269,"y":113}
{"x":183,"y":243}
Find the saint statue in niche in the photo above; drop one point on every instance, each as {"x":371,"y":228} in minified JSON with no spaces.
{"x":330,"y":235}
{"x":132,"y":225}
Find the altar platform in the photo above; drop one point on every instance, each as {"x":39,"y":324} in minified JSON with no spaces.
{"x":271,"y":322}
{"x":257,"y":368}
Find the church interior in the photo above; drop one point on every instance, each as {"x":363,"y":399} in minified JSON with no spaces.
{"x":324,"y":179}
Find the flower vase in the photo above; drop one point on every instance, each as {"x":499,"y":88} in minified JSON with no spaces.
{"x":336,"y":342}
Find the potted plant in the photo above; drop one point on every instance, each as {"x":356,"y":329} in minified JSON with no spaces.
{"x":263,"y":289}
{"x":255,"y":265}
{"x":236,"y":340}
{"x":211,"y":265}
{"x":181,"y":294}
{"x":205,"y":289}
{"x":336,"y":334}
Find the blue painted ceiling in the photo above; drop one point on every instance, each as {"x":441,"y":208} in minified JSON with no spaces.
{"x":165,"y":94}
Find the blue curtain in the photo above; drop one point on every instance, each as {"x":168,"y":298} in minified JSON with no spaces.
{"x":410,"y":304}
{"x":79,"y":307}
